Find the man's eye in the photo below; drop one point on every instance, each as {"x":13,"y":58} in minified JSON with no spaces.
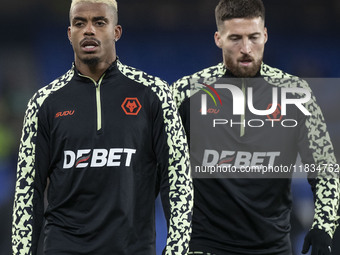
{"x":234,"y":39}
{"x":78,"y":24}
{"x":100,"y":23}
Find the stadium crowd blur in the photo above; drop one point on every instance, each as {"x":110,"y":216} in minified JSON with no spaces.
{"x":169,"y":39}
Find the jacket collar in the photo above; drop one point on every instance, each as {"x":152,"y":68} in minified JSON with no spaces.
{"x":227,"y":73}
{"x":108,"y":72}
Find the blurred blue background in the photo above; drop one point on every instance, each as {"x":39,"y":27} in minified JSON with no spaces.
{"x":168,"y":39}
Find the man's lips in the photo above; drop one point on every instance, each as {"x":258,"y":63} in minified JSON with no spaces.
{"x":245,"y":61}
{"x":89,"y":44}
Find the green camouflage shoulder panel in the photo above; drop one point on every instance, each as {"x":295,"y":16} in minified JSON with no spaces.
{"x":181,"y":189}
{"x":22,"y":226}
{"x":182,"y":88}
{"x":327,"y":186}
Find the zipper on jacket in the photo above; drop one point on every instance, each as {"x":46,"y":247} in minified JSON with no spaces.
{"x":243,"y":116}
{"x":98,"y":99}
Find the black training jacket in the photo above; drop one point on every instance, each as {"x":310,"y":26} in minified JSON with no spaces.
{"x":239,"y":215}
{"x":107,"y":147}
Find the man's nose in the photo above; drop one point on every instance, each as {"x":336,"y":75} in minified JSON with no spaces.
{"x":246,"y":46}
{"x":89,"y":29}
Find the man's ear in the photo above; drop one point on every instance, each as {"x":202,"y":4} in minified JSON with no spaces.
{"x":217,"y":37}
{"x":265,"y":35}
{"x":118,"y":32}
{"x":69,"y":34}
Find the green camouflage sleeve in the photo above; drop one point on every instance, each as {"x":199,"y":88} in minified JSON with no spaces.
{"x":28,"y":207}
{"x":325,"y":184}
{"x":316,"y":151}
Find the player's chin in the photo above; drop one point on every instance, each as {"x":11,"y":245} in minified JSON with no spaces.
{"x":90,"y":60}
{"x":249,"y":70}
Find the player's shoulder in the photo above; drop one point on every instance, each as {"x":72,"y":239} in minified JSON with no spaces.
{"x":184,"y":88}
{"x":205,"y":74}
{"x":157,"y":87}
{"x":140,"y":76}
{"x":280,"y":78}
{"x":45,"y":92}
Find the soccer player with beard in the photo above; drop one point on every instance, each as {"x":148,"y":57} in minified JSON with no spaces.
{"x":108,"y":138}
{"x":247,"y":215}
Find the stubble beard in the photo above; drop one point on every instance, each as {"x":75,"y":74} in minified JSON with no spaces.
{"x":91,"y":61}
{"x":244,"y":72}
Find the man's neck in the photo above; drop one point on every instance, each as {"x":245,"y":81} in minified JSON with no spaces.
{"x":93,"y":71}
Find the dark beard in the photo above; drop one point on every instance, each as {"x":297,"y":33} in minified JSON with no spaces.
{"x":243,"y":72}
{"x":91,"y":61}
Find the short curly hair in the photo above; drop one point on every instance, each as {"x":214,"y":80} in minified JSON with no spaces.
{"x":111,"y":3}
{"x":231,"y":9}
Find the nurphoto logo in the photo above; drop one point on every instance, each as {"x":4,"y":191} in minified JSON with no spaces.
{"x":239,"y":99}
